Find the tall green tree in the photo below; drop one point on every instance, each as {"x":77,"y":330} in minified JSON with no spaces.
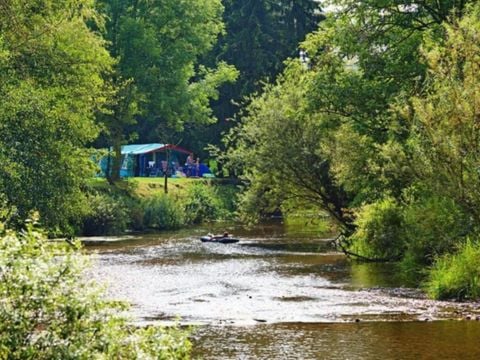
{"x":278,"y":150}
{"x":51,"y":85}
{"x":260,"y":35}
{"x":157,"y":45}
{"x":365,"y":59}
{"x":445,"y":135}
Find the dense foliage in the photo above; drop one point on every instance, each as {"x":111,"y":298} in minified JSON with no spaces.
{"x":50,"y":310}
{"x":156,"y":82}
{"x":380,"y":131}
{"x":113,"y":210}
{"x":51,"y":85}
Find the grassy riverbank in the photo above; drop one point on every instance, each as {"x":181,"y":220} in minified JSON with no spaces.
{"x":142,"y":204}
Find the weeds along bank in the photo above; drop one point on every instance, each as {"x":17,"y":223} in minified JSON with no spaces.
{"x":433,"y":241}
{"x":141,"y":204}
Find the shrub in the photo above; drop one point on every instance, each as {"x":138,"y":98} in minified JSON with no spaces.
{"x":457,"y":275}
{"x":136,"y":213}
{"x":163,"y":212}
{"x":50,"y":310}
{"x":379,"y":233}
{"x":107,"y":216}
{"x":202,"y":204}
{"x":228,"y":199}
{"x":432,"y":228}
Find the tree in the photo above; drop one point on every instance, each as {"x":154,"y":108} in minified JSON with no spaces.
{"x":260,"y":36}
{"x":157,"y":45}
{"x":278,"y":149}
{"x":51,"y":85}
{"x":445,"y":135}
{"x":378,"y":63}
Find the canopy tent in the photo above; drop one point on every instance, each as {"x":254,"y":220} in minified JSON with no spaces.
{"x":150,"y":159}
{"x":139,"y":149}
{"x":156,"y":160}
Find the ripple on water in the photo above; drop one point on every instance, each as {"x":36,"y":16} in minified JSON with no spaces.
{"x":223,"y":283}
{"x":285,"y":300}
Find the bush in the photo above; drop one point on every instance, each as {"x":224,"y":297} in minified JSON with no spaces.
{"x":163,"y":212}
{"x":456,"y":276}
{"x":202,"y":204}
{"x":136,"y":213}
{"x":107,"y":216}
{"x":50,"y":310}
{"x":379,"y":233}
{"x":432,"y":228}
{"x":228,"y":199}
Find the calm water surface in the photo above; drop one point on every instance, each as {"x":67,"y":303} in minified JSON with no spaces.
{"x":282,"y":293}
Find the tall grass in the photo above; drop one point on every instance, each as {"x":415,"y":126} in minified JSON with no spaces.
{"x":163,"y":212}
{"x":457,"y":275}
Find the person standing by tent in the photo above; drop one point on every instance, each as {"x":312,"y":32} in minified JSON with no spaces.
{"x":189,"y":165}
{"x":197,"y":167}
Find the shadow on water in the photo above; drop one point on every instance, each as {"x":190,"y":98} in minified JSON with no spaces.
{"x":290,"y":283}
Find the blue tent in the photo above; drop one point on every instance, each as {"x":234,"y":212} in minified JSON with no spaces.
{"x":149,"y":159}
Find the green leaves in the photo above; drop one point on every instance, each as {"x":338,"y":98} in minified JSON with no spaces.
{"x":279,"y":149}
{"x":51,"y":84}
{"x":444,"y":121}
{"x":50,"y":310}
{"x":157,"y":46}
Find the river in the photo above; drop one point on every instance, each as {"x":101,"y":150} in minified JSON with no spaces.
{"x":282,"y":293}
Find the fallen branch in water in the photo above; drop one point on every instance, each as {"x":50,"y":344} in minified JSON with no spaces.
{"x":338,"y":243}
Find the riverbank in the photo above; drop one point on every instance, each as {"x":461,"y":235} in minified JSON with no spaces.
{"x":141,"y":204}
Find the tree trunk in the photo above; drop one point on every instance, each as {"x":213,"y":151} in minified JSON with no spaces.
{"x":165,"y":183}
{"x":116,"y":163}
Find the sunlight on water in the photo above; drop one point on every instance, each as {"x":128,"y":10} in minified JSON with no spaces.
{"x":269,"y":277}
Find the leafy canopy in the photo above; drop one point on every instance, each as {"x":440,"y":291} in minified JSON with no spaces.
{"x":51,"y":85}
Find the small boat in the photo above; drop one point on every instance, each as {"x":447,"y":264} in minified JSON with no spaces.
{"x":219,"y":239}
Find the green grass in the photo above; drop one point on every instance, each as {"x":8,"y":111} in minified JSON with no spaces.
{"x":456,"y":276}
{"x":146,"y":187}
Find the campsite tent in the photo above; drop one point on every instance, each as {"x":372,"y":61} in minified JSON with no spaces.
{"x":151,"y":159}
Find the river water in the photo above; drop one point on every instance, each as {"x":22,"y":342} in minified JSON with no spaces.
{"x":282,"y":293}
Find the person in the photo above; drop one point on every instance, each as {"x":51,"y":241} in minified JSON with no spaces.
{"x":197,"y":167}
{"x":189,"y":161}
{"x":189,"y":164}
{"x":218,"y":237}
